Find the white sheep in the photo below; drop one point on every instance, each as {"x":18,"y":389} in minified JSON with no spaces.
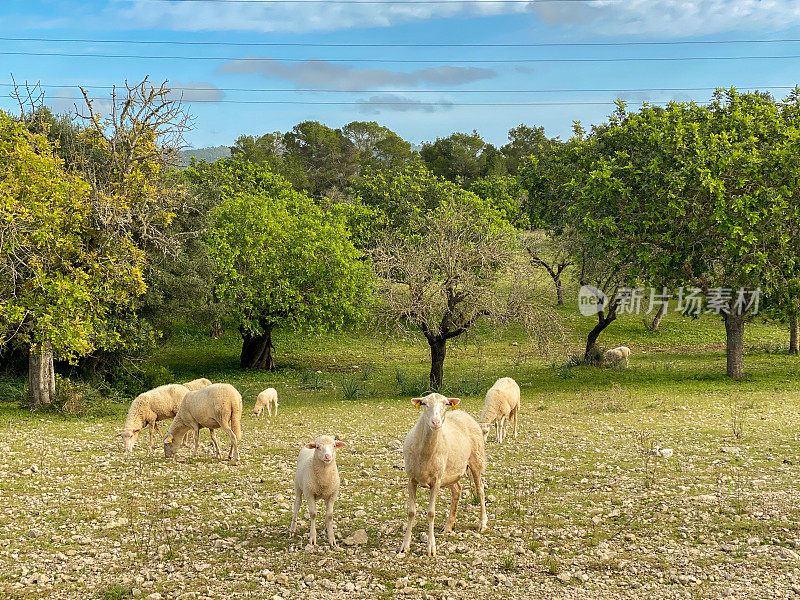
{"x":617,"y":354}
{"x":268,"y":398}
{"x":196,"y":384}
{"x":437,"y":453}
{"x":217,"y":406}
{"x":317,"y":478}
{"x":500,"y":406}
{"x":150,"y":407}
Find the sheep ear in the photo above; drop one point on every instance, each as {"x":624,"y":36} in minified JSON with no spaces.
{"x":453,"y":402}
{"x":417,"y":402}
{"x":136,"y":430}
{"x":311,"y":446}
{"x":339,"y":444}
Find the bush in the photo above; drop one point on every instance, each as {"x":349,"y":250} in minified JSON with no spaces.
{"x":75,"y":398}
{"x":14,"y":389}
{"x":133,"y":379}
{"x":351,"y":386}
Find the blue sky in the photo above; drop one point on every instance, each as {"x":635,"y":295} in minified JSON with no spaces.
{"x":429,"y":97}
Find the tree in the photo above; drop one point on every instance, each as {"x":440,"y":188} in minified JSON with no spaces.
{"x":524,"y":142}
{"x":701,"y":196}
{"x":63,"y":271}
{"x":377,"y":145}
{"x":440,"y":271}
{"x":282,"y":262}
{"x":462,"y":158}
{"x":329,"y":159}
{"x":505,"y":194}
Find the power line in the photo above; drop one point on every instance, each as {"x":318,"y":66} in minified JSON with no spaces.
{"x":395,"y":45}
{"x":418,"y":91}
{"x":405,"y":61}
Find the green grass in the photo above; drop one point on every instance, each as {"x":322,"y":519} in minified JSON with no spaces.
{"x":577,"y":482}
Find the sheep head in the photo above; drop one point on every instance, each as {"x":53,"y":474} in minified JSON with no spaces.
{"x":434,"y":409}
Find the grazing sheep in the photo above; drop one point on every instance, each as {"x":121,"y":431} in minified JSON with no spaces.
{"x":268,"y":398}
{"x":501,"y":406}
{"x":317,"y":478}
{"x":437,"y":452}
{"x":617,"y":354}
{"x":218,"y":405}
{"x":196,"y":384}
{"x":150,"y":407}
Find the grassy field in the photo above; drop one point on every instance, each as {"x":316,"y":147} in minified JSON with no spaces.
{"x":579,"y":504}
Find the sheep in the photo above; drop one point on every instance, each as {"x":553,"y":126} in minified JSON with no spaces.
{"x":617,"y":354}
{"x":501,"y":406}
{"x":317,"y":478}
{"x":218,"y":405}
{"x":437,"y":453}
{"x":148,"y":408}
{"x":268,"y":397}
{"x":196,"y":384}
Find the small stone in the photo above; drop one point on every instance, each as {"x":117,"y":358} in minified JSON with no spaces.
{"x":154,"y":596}
{"x":731,"y":450}
{"x":136,"y":592}
{"x":564,"y":577}
{"x":281,"y":579}
{"x":789,"y":554}
{"x":357,"y":538}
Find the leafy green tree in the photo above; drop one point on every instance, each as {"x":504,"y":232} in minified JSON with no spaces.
{"x":282,"y":262}
{"x":462,"y":158}
{"x":505,"y":194}
{"x":63,"y":272}
{"x":329,"y":159}
{"x":523,"y":142}
{"x":700,"y":196}
{"x":377,"y":145}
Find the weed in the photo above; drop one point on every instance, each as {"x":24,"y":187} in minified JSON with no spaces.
{"x":115,"y":592}
{"x":645,"y":449}
{"x":312,"y":380}
{"x":408,"y":386}
{"x":351,"y":386}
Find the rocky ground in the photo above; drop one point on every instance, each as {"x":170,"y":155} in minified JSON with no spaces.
{"x":585,"y":502}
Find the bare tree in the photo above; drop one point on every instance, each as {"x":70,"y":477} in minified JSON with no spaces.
{"x":442,"y":281}
{"x":552,"y":252}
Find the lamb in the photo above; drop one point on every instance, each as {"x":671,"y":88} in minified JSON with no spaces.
{"x":148,"y":408}
{"x":196,"y":384}
{"x":218,"y":405}
{"x":617,"y":354}
{"x":268,"y":397}
{"x":317,"y":478}
{"x":500,"y":406}
{"x":437,"y":453}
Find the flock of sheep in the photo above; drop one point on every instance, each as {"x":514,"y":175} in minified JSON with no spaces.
{"x":442,"y":447}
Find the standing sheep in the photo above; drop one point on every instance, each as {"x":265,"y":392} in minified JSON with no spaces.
{"x":268,"y":398}
{"x":217,"y":406}
{"x":617,"y":354}
{"x":501,"y":406}
{"x":317,"y":478}
{"x":196,"y":384}
{"x":437,"y":453}
{"x":150,"y":407}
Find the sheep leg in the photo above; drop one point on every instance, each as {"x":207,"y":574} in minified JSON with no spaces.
{"x":516,"y":419}
{"x":405,"y":546}
{"x":215,"y":442}
{"x":269,"y":408}
{"x":478,"y":480}
{"x":455,"y":496}
{"x":196,"y":441}
{"x":431,"y":517}
{"x":234,"y":452}
{"x":298,"y":499}
{"x":329,"y":522}
{"x":312,"y":514}
{"x":151,"y":435}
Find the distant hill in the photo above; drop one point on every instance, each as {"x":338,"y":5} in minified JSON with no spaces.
{"x":208,"y":154}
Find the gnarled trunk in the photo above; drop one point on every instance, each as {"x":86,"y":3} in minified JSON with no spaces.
{"x":793,"y":335}
{"x":41,"y":377}
{"x":603,"y":321}
{"x":257,"y":349}
{"x":734,"y":345}
{"x":438,"y":350}
{"x":662,"y":310}
{"x":559,"y":290}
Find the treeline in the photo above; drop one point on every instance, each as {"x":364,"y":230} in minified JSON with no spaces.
{"x":104,"y":245}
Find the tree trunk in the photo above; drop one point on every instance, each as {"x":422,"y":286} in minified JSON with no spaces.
{"x":216,"y":330}
{"x":793,"y":335}
{"x":257,"y":350}
{"x":734,"y":344}
{"x":41,"y":378}
{"x":559,"y":291}
{"x":603,"y":321}
{"x":662,"y":310}
{"x":438,"y":350}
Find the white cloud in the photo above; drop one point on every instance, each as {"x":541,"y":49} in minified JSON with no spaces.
{"x":395,"y":103}
{"x":672,"y":18}
{"x":340,"y":76}
{"x":195,"y":91}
